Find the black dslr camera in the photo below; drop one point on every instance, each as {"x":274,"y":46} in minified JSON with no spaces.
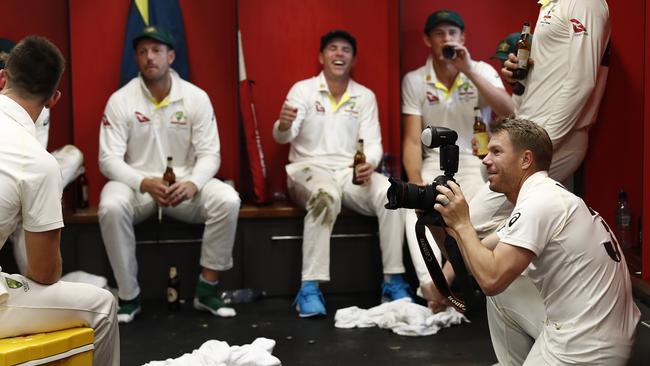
{"x":408,"y":195}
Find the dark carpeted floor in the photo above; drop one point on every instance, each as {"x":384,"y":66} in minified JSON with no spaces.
{"x":157,"y":334}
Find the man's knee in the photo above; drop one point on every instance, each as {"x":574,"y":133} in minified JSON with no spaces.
{"x":223,"y":198}
{"x":324,"y":205}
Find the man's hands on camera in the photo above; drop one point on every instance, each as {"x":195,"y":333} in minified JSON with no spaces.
{"x":453,"y":207}
{"x":364,"y":172}
{"x":168,"y":196}
{"x":288,"y":114}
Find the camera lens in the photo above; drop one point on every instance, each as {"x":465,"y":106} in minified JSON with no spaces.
{"x":408,"y":195}
{"x":448,"y":52}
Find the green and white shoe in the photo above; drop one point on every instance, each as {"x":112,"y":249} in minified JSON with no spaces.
{"x":207,"y":299}
{"x":128,"y":310}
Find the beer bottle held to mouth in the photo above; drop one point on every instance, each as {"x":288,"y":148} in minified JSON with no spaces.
{"x":480,"y":134}
{"x":359,"y":158}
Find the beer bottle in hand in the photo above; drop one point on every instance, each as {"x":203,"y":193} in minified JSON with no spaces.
{"x":523,"y":53}
{"x":359,"y":158}
{"x":480,"y":134}
{"x":169,"y":177}
{"x":173,"y":290}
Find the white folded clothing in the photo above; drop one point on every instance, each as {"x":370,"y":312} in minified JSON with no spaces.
{"x":219,"y":353}
{"x":400,"y":316}
{"x":85,"y":277}
{"x":71,"y":161}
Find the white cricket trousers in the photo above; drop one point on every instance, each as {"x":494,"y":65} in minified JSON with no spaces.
{"x":321,"y":191}
{"x":120,"y":207}
{"x":488,"y":209}
{"x":34,"y":308}
{"x":469,"y":177}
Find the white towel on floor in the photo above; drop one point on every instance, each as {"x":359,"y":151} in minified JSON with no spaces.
{"x":85,"y":277}
{"x":218,"y":353}
{"x":401,"y":316}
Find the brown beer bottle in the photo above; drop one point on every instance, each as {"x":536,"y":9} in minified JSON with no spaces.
{"x":83,"y":190}
{"x":359,"y":158}
{"x":480,"y":134}
{"x":523,"y":53}
{"x":173,"y":290}
{"x":169,"y":177}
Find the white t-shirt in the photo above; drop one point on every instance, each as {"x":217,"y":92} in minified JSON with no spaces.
{"x":578,"y":269}
{"x":30,"y":178}
{"x":136,"y":136}
{"x":423,"y":95}
{"x":327,"y":135}
{"x":570,"y":39}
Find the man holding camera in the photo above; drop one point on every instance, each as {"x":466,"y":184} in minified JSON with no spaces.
{"x":569,"y":252}
{"x":322,"y":118}
{"x":156,"y":115}
{"x":444,"y":92}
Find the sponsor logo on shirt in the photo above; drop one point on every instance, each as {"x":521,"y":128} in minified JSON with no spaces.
{"x":179,"y":118}
{"x":141,"y":117}
{"x":578,"y":27}
{"x":105,"y":121}
{"x":433,"y":99}
{"x":514,"y":219}
{"x":319,"y":107}
{"x":546,"y":19}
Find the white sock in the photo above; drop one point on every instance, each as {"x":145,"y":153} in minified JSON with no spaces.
{"x":213,"y":283}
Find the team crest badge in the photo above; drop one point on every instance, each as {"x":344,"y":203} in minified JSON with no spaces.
{"x":13,"y":284}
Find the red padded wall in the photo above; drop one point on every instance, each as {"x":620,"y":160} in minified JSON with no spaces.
{"x":97,"y":37}
{"x":281,"y":42}
{"x":48,"y":18}
{"x":615,"y":153}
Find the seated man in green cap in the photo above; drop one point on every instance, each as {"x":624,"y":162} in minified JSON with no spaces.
{"x":155,"y":116}
{"x":447,"y":91}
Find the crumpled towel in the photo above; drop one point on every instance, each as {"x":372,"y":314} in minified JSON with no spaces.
{"x":219,"y":353}
{"x":71,"y":161}
{"x":85,"y":277}
{"x":401,"y":316}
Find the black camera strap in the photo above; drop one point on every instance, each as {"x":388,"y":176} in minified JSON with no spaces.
{"x":434,"y":267}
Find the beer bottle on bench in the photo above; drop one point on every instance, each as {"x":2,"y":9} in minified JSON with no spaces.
{"x":359,"y":158}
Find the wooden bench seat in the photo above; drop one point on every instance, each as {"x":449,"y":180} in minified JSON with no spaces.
{"x":247,"y":211}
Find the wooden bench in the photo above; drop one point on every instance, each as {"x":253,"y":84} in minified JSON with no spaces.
{"x":267,"y":254}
